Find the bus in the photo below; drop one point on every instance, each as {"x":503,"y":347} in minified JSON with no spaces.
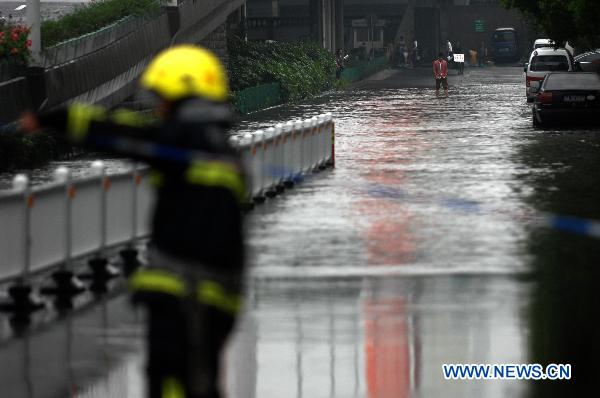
{"x":505,"y":45}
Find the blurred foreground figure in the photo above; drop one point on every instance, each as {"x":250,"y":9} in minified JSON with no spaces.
{"x":196,"y":256}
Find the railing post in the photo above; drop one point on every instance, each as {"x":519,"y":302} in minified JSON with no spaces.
{"x":129,"y":255}
{"x":314,"y":144}
{"x":298,"y":150}
{"x":288,"y":154}
{"x":321,"y":141}
{"x":331,"y":129}
{"x":279,"y":157}
{"x":306,"y":146}
{"x":102,"y":271}
{"x":258,"y":165}
{"x":66,"y":285}
{"x":269,"y":166}
{"x":247,"y":154}
{"x":22,"y":300}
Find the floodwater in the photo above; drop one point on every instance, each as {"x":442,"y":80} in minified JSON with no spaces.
{"x":420,"y":248}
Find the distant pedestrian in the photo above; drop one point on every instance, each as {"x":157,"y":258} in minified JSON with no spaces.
{"x":440,"y":71}
{"x":449,"y":51}
{"x":402,"y":52}
{"x":458,"y":50}
{"x":415,"y":54}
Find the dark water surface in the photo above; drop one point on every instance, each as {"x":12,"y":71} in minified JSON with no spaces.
{"x":418,"y":249}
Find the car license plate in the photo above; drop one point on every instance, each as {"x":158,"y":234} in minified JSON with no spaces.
{"x":504,"y":50}
{"x":574,"y":98}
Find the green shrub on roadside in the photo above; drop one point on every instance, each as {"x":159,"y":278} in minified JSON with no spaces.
{"x":93,"y":17}
{"x":304,"y":69}
{"x":19,"y":151}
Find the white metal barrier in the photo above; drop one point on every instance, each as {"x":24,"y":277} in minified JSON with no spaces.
{"x":48,"y":226}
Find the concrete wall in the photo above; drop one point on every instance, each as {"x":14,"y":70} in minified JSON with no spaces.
{"x":289,"y":20}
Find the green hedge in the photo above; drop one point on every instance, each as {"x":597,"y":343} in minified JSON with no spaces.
{"x":18,"y":151}
{"x":93,"y":17}
{"x":303,"y":69}
{"x":256,"y":98}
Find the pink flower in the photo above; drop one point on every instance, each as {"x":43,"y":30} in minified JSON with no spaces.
{"x":28,"y":43}
{"x":14,"y":50}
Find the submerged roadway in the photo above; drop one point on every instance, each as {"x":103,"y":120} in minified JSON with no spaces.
{"x":420,"y":248}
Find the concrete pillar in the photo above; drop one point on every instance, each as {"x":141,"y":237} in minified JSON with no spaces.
{"x":323,"y":22}
{"x":275,"y":8}
{"x":339,"y":24}
{"x":32,"y":14}
{"x":328,"y":25}
{"x":407,"y":25}
{"x":315,"y":20}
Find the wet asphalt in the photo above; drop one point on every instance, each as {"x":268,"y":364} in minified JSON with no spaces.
{"x":420,"y":248}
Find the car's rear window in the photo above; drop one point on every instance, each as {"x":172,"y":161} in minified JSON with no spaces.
{"x":549,"y":63}
{"x":573,"y":81}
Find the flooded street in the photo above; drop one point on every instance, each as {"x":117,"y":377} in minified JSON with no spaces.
{"x":418,"y":249}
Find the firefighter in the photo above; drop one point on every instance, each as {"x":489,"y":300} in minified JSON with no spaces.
{"x":196,"y":256}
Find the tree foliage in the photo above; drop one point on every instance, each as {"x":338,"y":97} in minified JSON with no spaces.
{"x":575,"y":21}
{"x":92,"y":17}
{"x":303,"y":69}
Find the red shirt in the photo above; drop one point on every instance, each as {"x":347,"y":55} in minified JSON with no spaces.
{"x":440,"y":68}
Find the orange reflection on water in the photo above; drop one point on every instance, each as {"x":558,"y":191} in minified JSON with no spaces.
{"x":389,"y":239}
{"x":387,"y":349}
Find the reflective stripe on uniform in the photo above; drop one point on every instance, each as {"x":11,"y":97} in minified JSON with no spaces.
{"x":213,"y":294}
{"x":131,"y":118}
{"x":80,"y":116}
{"x":158,"y":281}
{"x":216,"y":174}
{"x":172,"y":388}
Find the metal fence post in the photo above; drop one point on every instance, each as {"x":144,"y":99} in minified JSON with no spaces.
{"x":279,"y":157}
{"x":65,"y":284}
{"x":22,"y":300}
{"x":307,"y":146}
{"x":129,"y":255}
{"x":102,"y":271}
{"x":258,"y":165}
{"x":298,"y":138}
{"x":314,"y":144}
{"x":269,"y":164}
{"x":321,"y":141}
{"x":288,"y":154}
{"x":331,"y":160}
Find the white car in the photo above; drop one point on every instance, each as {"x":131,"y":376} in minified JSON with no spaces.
{"x":540,"y":43}
{"x":543,"y":61}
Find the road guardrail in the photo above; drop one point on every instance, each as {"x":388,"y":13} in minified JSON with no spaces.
{"x":47,"y":227}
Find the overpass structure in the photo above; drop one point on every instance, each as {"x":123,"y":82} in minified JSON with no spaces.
{"x":103,"y":67}
{"x":46,"y":229}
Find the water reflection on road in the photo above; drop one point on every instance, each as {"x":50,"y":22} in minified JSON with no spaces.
{"x":368,"y":278}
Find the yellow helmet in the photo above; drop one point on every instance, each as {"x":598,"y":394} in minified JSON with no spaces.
{"x":186,"y":71}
